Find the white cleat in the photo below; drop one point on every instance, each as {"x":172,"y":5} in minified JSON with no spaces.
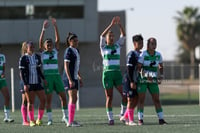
{"x":49,"y":122}
{"x":123,"y":119}
{"x":131,"y":123}
{"x":73,"y":124}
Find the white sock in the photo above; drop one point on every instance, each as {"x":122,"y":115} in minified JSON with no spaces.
{"x":160,"y":115}
{"x":7,"y":113}
{"x":49,"y":115}
{"x":140,"y":115}
{"x":110,"y":115}
{"x":65,"y":113}
{"x":123,"y":109}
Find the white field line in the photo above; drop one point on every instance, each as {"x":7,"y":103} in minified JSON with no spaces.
{"x":77,"y":115}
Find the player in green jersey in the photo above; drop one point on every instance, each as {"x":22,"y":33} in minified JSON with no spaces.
{"x":4,"y":89}
{"x":51,"y":72}
{"x":148,"y":64}
{"x":112,"y":77}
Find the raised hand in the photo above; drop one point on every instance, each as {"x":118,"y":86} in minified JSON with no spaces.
{"x":113,"y":21}
{"x":53,"y":20}
{"x":45,"y":24}
{"x":117,"y":20}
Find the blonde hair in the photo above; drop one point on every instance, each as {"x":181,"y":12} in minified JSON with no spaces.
{"x":24,"y":48}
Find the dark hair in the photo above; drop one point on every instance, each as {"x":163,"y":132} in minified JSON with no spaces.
{"x":70,"y":37}
{"x":150,"y":40}
{"x":137,"y":38}
{"x":48,"y":40}
{"x":29,"y":43}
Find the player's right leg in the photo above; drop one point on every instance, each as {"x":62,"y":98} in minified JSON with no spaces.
{"x":141,"y":89}
{"x":6,"y":96}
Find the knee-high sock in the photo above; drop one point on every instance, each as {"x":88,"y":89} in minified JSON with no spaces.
{"x":71,"y":112}
{"x":65,"y":112}
{"x":109,"y":113}
{"x":6,"y":111}
{"x":40,"y":113}
{"x":24,"y":113}
{"x":126,"y":114}
{"x":130,"y":114}
{"x":31,"y":113}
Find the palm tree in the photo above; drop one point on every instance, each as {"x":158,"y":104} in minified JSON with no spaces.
{"x":188,"y":32}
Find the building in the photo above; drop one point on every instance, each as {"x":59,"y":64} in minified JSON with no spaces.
{"x":22,"y":20}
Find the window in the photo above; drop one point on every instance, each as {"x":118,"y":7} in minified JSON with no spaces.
{"x":42,"y":12}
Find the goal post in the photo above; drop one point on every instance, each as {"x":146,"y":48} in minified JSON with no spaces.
{"x":12,"y":89}
{"x":199,"y":84}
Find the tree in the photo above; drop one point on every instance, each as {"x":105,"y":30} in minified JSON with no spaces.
{"x":188,"y":32}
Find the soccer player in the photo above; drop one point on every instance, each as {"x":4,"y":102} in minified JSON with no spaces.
{"x":110,"y":52}
{"x":31,"y":74}
{"x":72,"y":75}
{"x":148,"y":64}
{"x":4,"y":89}
{"x":130,"y":80}
{"x":24,"y":100}
{"x":51,"y":72}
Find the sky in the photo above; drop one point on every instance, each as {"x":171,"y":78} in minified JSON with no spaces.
{"x":151,"y":18}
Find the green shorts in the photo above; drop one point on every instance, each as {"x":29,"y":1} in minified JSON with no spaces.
{"x":152,"y":87}
{"x":111,"y":79}
{"x":54,"y":83}
{"x":3,"y":83}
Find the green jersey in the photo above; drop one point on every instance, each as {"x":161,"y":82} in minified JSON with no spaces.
{"x":2,"y":62}
{"x":150,"y":65}
{"x":111,"y":54}
{"x":50,"y":62}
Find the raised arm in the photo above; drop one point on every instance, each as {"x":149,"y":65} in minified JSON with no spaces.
{"x":122,"y":31}
{"x":44,"y":27}
{"x":108,"y":27}
{"x":57,"y":37}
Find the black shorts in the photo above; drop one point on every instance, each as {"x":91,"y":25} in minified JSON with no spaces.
{"x":66,"y":84}
{"x":127,"y":91}
{"x":35,"y":87}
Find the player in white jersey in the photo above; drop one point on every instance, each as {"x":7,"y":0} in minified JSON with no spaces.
{"x":112,"y":77}
{"x":4,"y":89}
{"x":50,"y":68}
{"x":150,"y":61}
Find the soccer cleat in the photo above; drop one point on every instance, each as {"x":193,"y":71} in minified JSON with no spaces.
{"x":32,"y":124}
{"x":162,"y":122}
{"x":73,"y":124}
{"x":123,"y":119}
{"x":8,"y":120}
{"x":111,"y":122}
{"x":25,"y":123}
{"x":140,"y":122}
{"x":65,"y":120}
{"x":131,"y":123}
{"x":49,"y":122}
{"x":38,"y":122}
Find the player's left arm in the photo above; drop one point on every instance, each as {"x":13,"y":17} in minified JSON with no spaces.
{"x":160,"y":67}
{"x":3,"y":73}
{"x":80,"y":79}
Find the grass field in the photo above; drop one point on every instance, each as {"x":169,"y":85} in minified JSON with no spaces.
{"x":181,"y":119}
